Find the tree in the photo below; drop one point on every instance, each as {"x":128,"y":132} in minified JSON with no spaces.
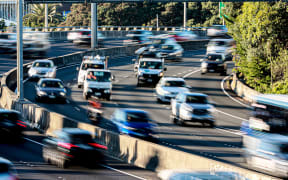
{"x":2,"y":24}
{"x":80,"y":15}
{"x":37,"y":17}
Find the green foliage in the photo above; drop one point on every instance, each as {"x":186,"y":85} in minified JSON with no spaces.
{"x":138,"y":14}
{"x":261,"y":35}
{"x":37,"y":17}
{"x":2,"y":24}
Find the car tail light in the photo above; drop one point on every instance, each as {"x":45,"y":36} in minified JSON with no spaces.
{"x":98,"y":145}
{"x":21,"y":123}
{"x":66,"y":145}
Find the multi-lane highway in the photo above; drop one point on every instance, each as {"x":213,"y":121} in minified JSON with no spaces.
{"x":222,"y":142}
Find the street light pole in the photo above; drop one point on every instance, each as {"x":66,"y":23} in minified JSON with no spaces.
{"x":185,"y":13}
{"x":20,"y":50}
{"x":94,"y":26}
{"x":46,"y":17}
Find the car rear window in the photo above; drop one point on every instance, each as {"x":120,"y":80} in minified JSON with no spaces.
{"x":92,"y":66}
{"x":42,"y":64}
{"x":81,"y":138}
{"x":174,"y":83}
{"x":196,"y":99}
{"x":11,"y":116}
{"x":214,"y":57}
{"x":52,"y":84}
{"x":137,"y":117}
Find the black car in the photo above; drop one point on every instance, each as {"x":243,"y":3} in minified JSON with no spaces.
{"x":11,"y":123}
{"x":50,"y":89}
{"x":214,"y":63}
{"x":72,"y":146}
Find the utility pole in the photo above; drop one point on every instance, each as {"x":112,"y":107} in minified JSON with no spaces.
{"x":185,"y":13}
{"x":20,"y":50}
{"x":157,"y":25}
{"x":94,"y":26}
{"x":46,"y":17}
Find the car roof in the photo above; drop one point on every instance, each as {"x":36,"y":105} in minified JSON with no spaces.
{"x":8,"y":111}
{"x":6,"y":161}
{"x":74,"y":131}
{"x":172,"y":79}
{"x":130,"y":110}
{"x":50,"y":79}
{"x":103,"y":70}
{"x":151,"y":59}
{"x":43,"y":60}
{"x":279,"y":100}
{"x":93,"y":61}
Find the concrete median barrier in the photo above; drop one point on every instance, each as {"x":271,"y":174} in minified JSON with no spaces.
{"x":131,"y":150}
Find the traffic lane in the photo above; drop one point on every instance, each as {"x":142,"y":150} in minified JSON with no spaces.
{"x":191,"y":138}
{"x":27,"y":158}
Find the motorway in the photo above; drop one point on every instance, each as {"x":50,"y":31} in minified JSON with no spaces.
{"x":222,"y":143}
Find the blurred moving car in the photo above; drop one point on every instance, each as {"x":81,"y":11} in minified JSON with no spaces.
{"x":168,"y":88}
{"x":42,"y":68}
{"x":7,"y":41}
{"x":221,"y":46}
{"x":199,"y":175}
{"x":90,"y":62}
{"x":217,"y":30}
{"x":149,"y":70}
{"x":83,"y":36}
{"x":12,"y":123}
{"x":72,"y":146}
{"x":183,"y":35}
{"x":35,"y":44}
{"x":214,"y":63}
{"x":50,"y":89}
{"x":162,"y":39}
{"x":98,"y":83}
{"x":7,"y":170}
{"x":136,"y":40}
{"x":94,"y":111}
{"x":192,"y":107}
{"x":134,"y":122}
{"x":139,"y":33}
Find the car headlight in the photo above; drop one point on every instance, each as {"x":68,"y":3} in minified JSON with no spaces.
{"x":42,"y":93}
{"x":140,"y":74}
{"x":62,"y":93}
{"x":163,"y":92}
{"x":204,"y":64}
{"x":107,"y":91}
{"x":161,"y":74}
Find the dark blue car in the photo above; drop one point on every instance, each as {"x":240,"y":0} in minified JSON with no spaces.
{"x":134,"y":122}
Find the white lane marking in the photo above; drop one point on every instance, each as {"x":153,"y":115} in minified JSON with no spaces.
{"x":236,"y":117}
{"x":25,"y":80}
{"x":34,"y":141}
{"x":179,"y":73}
{"x":68,"y":66}
{"x":108,"y":167}
{"x":67,"y":101}
{"x":227,"y":94}
{"x":230,"y":131}
{"x":186,"y":75}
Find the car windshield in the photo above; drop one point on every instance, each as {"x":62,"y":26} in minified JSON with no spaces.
{"x":150,"y":65}
{"x":52,"y":84}
{"x":174,"y":83}
{"x":42,"y":64}
{"x":196,"y":99}
{"x":167,"y":47}
{"x":137,"y":117}
{"x":92,"y":66}
{"x":81,"y":138}
{"x":99,"y":76}
{"x":213,"y":57}
{"x":217,"y":43}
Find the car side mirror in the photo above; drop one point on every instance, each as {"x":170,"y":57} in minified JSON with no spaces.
{"x":165,"y":69}
{"x":77,"y":68}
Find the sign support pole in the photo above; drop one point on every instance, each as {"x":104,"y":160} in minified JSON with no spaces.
{"x":20,"y":50}
{"x":94,"y":26}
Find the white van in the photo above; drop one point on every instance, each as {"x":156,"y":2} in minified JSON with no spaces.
{"x":221,"y":46}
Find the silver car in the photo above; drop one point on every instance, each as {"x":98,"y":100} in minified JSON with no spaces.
{"x":42,"y":68}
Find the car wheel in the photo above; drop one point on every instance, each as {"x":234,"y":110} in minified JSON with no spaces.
{"x":138,"y":84}
{"x":179,"y":122}
{"x":211,"y":124}
{"x":37,"y":99}
{"x":173,"y":119}
{"x":158,"y":100}
{"x":108,"y":97}
{"x":45,"y":155}
{"x":86,"y":97}
{"x":224,"y":73}
{"x":79,"y":86}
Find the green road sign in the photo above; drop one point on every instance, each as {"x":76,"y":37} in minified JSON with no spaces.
{"x":221,"y":6}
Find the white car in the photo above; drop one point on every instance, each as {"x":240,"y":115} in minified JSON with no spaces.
{"x":217,"y":30}
{"x":89,"y":62}
{"x":192,"y":107}
{"x":220,"y":46}
{"x":169,"y":87}
{"x":7,"y":170}
{"x":97,"y":83}
{"x":83,"y":36}
{"x":42,"y":69}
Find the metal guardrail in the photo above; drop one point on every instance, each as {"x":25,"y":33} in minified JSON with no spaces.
{"x":111,"y":28}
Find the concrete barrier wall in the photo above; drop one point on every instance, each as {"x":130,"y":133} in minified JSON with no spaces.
{"x":131,"y":150}
{"x":242,"y":90}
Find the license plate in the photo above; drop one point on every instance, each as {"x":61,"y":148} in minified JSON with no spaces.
{"x":97,"y":94}
{"x":52,"y":97}
{"x":149,"y":80}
